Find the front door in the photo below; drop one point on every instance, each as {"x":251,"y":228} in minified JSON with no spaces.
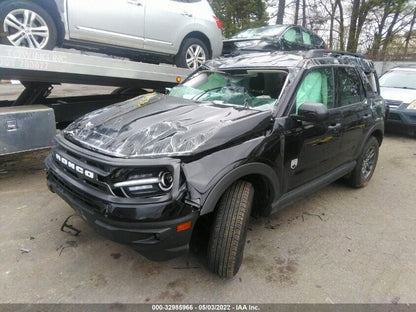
{"x":312,"y":148}
{"x":114,"y":22}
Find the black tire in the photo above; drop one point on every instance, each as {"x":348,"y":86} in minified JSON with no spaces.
{"x":366,"y":164}
{"x":229,"y":230}
{"x":46,"y":43}
{"x":182,"y":59}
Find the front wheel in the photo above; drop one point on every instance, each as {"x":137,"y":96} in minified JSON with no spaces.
{"x":229,"y":229}
{"x":26,"y":24}
{"x":366,"y":164}
{"x":192,"y":54}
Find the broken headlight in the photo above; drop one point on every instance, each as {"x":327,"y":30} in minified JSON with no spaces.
{"x":143,"y":183}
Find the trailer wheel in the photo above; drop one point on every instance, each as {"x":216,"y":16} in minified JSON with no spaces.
{"x":229,"y":229}
{"x":192,"y":54}
{"x":26,"y":24}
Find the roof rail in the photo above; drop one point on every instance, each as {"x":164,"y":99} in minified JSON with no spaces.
{"x":322,"y":56}
{"x":334,"y":53}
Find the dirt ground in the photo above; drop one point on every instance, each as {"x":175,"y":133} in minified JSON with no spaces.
{"x":340,"y":245}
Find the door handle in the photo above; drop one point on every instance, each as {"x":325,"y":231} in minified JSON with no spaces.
{"x":134,"y":2}
{"x":334,"y":127}
{"x":187,"y":14}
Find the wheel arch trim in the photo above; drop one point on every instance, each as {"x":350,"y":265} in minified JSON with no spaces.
{"x":378,"y":132}
{"x":54,"y":7}
{"x":242,"y":171}
{"x":201,"y":36}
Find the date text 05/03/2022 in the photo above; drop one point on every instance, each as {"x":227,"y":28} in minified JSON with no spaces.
{"x":205,"y":307}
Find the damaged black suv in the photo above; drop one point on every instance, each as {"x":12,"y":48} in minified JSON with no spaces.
{"x":241,"y":136}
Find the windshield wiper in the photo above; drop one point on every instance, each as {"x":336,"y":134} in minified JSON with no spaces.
{"x":198,"y":96}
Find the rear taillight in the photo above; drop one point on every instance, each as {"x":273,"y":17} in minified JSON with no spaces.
{"x":218,"y":21}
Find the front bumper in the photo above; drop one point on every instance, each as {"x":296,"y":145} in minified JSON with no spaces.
{"x":402,"y":118}
{"x":156,"y":240}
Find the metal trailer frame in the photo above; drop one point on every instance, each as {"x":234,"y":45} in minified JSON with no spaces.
{"x":40,"y":70}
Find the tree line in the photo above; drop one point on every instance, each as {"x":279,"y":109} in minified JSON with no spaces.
{"x":381,"y":29}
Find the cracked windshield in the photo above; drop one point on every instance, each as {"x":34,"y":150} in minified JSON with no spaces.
{"x":255,"y":90}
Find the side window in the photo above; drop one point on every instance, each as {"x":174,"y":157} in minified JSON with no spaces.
{"x":372,"y":81}
{"x":306,"y":38}
{"x":368,"y":87}
{"x":317,"y":87}
{"x":350,"y":89}
{"x":293,"y":35}
{"x":316,"y":41}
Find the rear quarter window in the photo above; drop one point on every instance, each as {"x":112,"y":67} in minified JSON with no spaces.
{"x":316,"y":41}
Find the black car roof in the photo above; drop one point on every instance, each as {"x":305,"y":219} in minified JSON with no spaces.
{"x":286,"y":59}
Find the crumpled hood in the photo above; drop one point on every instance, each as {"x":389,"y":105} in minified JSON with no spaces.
{"x":158,"y":125}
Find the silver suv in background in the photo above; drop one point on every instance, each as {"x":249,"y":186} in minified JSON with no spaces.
{"x":184,"y":32}
{"x":398,"y":88}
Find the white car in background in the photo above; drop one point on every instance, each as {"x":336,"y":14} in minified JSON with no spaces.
{"x":398,"y":88}
{"x":184,"y":32}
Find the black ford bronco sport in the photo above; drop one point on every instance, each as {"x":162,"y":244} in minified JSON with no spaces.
{"x":241,"y":136}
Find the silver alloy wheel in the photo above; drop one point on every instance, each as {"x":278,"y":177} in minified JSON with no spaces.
{"x":26,"y":28}
{"x":195,"y":56}
{"x":368,"y":163}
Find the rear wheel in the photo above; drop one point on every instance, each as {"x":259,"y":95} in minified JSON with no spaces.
{"x":229,"y":230}
{"x":26,"y":24}
{"x":366,"y":164}
{"x":192,"y":54}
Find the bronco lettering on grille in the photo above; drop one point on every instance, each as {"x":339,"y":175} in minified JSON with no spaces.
{"x":70,"y":165}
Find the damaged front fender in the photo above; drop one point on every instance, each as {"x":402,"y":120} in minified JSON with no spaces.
{"x":208,"y":177}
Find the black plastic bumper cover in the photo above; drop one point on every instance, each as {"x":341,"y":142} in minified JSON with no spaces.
{"x":402,"y":117}
{"x":156,"y":241}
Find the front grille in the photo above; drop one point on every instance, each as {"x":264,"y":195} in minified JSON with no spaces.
{"x":141,"y":182}
{"x":87,"y":161}
{"x":92,"y":205}
{"x":99,"y":172}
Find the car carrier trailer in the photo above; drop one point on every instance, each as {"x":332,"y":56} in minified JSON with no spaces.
{"x":29,"y":121}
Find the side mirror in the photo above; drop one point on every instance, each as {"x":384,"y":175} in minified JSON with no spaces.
{"x":312,"y":112}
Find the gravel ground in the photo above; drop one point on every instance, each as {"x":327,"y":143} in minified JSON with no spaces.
{"x":340,"y":245}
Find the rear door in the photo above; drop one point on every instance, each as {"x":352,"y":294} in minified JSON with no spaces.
{"x":355,"y":109}
{"x":167,"y":23}
{"x":114,"y":22}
